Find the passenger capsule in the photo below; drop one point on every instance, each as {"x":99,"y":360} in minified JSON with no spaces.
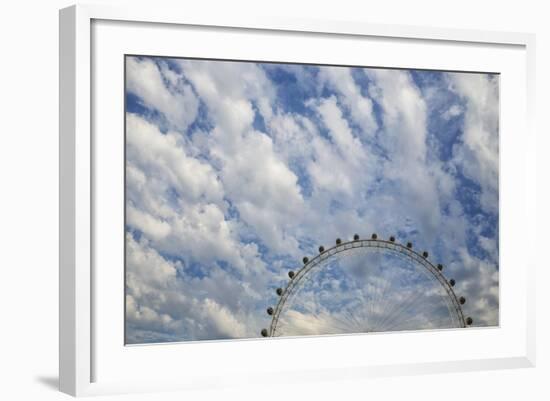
{"x":392,"y":238}
{"x":440,"y":267}
{"x":264,"y":332}
{"x":374,"y":236}
{"x":291,"y":274}
{"x":270,"y":311}
{"x":356,"y":237}
{"x":469,"y":321}
{"x":409,"y":245}
{"x":321,"y":249}
{"x":425,"y":254}
{"x":338,"y":241}
{"x":305,"y":259}
{"x":452,"y":282}
{"x":462,"y":300}
{"x":279,"y":291}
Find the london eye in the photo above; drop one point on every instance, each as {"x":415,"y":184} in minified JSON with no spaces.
{"x":366,"y":285}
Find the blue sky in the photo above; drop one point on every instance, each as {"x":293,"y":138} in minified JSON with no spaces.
{"x":236,"y":170}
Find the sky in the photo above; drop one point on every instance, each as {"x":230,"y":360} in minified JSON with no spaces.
{"x":236,"y":170}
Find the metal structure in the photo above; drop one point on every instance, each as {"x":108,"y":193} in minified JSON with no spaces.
{"x":434,"y":272}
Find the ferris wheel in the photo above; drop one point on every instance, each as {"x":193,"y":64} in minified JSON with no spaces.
{"x":366,"y":285}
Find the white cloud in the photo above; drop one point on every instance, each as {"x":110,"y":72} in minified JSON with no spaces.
{"x":228,"y":89}
{"x":359,"y":106}
{"x":164,"y":157}
{"x":292,"y":135}
{"x":339,"y":166}
{"x":260,"y":185}
{"x":478,"y":281}
{"x":201,"y":233}
{"x":146,"y":264}
{"x":177,"y":102}
{"x":404,"y":138}
{"x":190,"y":223}
{"x":151,"y":226}
{"x":340,"y":132}
{"x":404,"y":115}
{"x":163,"y":297}
{"x":226,"y":324}
{"x":478,"y":156}
{"x":453,"y":111}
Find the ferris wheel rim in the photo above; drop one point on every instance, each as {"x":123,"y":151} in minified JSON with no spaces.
{"x":373,"y":243}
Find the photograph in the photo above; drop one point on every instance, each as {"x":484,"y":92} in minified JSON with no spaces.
{"x":213,"y":200}
{"x":271,"y":199}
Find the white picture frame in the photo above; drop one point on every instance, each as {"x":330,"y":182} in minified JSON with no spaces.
{"x":82,"y":344}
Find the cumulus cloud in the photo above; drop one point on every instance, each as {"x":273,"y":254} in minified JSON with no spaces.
{"x":349,"y":147}
{"x":360,"y":107}
{"x":478,"y":154}
{"x":164,"y":297}
{"x":164,"y":156}
{"x":161,"y":89}
{"x":236,"y":170}
{"x":453,"y":111}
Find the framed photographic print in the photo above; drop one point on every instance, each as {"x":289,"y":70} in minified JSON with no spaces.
{"x":344,"y":196}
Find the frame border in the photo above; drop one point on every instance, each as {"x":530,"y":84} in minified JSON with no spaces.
{"x":75,"y":169}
